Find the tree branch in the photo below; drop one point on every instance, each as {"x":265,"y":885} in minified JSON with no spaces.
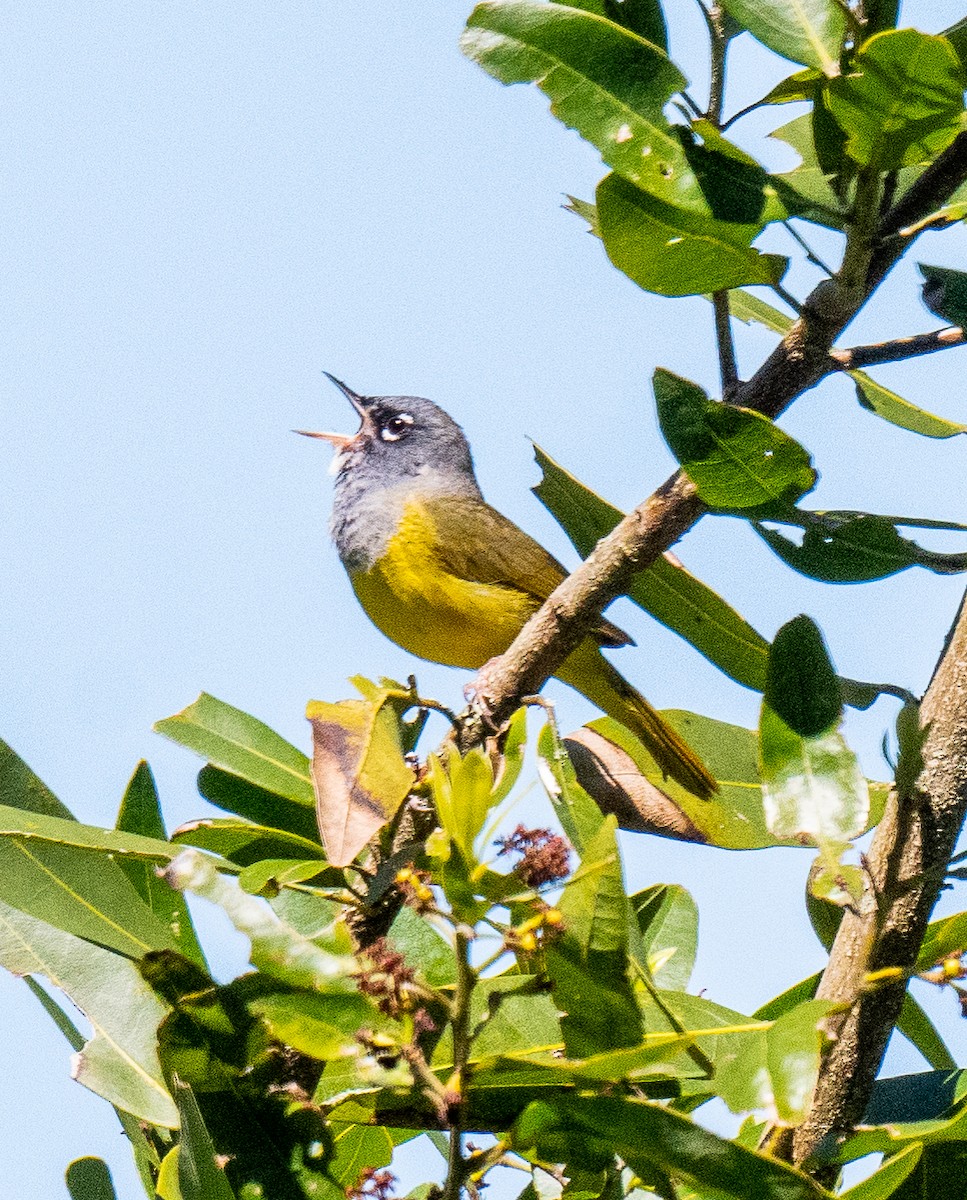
{"x":906,"y":865}
{"x":898,"y":349}
{"x":797,"y":364}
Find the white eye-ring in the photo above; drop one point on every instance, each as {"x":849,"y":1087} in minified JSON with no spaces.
{"x":395,"y":427}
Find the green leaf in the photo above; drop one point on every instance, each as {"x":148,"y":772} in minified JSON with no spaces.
{"x":842,"y":547}
{"x":242,"y":843}
{"x":943,"y":937}
{"x":141,"y":814}
{"x":884,"y":1182}
{"x":120,"y":1061}
{"x":359,"y":773}
{"x":902,"y":100}
{"x":917,"y":1027}
{"x":199,"y":1176}
{"x":321,"y":1025}
{"x":588,"y":964}
{"x":736,"y":458}
{"x":956,"y":35}
{"x":89,"y":1179}
{"x":812,"y":786}
{"x":277,"y":949}
{"x":270,"y":875}
{"x":603,"y":80}
{"x":666,"y":591}
{"x":801,"y":685}
{"x":880,"y":15}
{"x":747,"y":307}
{"x":674,"y":251}
{"x":805,"y":31}
{"x":233,"y":794}
{"x":463,"y":796}
{"x":420,"y":942}
{"x":60,"y":872}
{"x":775,"y":1072}
{"x":514,"y":1015}
{"x":806,"y":190}
{"x":647,"y":1135}
{"x":579,"y":816}
{"x":355,"y":1148}
{"x":877,"y":399}
{"x":643,"y":17}
{"x":21,"y":788}
{"x":945,"y":293}
{"x":239,"y":743}
{"x":667,"y":917}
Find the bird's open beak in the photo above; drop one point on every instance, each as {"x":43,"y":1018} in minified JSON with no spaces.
{"x":342,"y":441}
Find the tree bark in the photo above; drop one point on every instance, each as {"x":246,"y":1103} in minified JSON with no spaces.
{"x":906,"y":865}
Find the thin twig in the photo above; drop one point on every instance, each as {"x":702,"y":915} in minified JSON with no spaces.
{"x":719,"y":50}
{"x":723,"y":336}
{"x":897,"y":349}
{"x":811,"y":254}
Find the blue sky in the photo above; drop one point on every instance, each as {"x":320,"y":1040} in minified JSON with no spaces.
{"x":207,"y":205}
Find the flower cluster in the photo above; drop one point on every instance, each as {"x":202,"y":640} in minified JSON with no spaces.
{"x":545,"y":856}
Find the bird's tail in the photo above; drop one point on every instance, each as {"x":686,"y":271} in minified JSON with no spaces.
{"x":590,"y":673}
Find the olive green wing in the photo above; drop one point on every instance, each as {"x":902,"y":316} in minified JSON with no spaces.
{"x":475,"y":541}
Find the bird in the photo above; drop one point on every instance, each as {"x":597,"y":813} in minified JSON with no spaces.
{"x":449,"y":578}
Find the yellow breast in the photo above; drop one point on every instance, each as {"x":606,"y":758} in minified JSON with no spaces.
{"x":428,"y":610}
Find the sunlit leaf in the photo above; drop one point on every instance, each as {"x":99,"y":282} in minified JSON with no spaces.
{"x":736,"y":458}
{"x":120,"y":1061}
{"x":235,"y":795}
{"x":588,"y":963}
{"x":463,"y":795}
{"x":775,"y":1072}
{"x":887,"y":404}
{"x":21,"y":788}
{"x":603,"y":80}
{"x":60,"y":871}
{"x":806,"y":31}
{"x":813,"y":788}
{"x":676,"y":252}
{"x":806,"y":189}
{"x":902,"y":100}
{"x":241,"y":744}
{"x":323,"y":1026}
{"x":579,"y":816}
{"x":243,"y":843}
{"x":884,"y":1182}
{"x":643,"y":17}
{"x":667,"y":917}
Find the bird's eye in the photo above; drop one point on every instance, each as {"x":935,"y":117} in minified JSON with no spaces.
{"x":395,"y":427}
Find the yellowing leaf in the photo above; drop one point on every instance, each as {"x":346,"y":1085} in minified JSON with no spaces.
{"x":359,"y":774}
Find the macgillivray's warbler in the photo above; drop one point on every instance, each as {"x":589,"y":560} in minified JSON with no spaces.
{"x":449,"y":578}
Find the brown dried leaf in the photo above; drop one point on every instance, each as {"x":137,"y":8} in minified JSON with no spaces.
{"x":359,"y":774}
